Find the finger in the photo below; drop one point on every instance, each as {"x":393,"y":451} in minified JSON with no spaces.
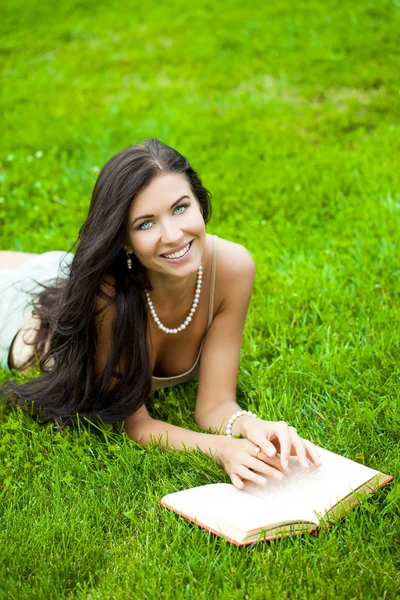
{"x":300,"y":450}
{"x":255,"y":451}
{"x":274,"y":461}
{"x":252,"y":448}
{"x":283,"y":433}
{"x":237,"y":482}
{"x":267,"y":447}
{"x":312,"y":453}
{"x":262,"y":467}
{"x":245,"y":473}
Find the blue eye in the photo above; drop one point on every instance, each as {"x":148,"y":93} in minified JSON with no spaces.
{"x":145,"y":225}
{"x":178,"y":208}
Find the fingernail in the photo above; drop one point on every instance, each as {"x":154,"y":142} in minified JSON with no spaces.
{"x":262,"y":481}
{"x":278,"y":475}
{"x":305,"y":465}
{"x":271,"y":452}
{"x":284,"y":464}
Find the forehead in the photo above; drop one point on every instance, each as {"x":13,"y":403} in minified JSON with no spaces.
{"x":161,"y":192}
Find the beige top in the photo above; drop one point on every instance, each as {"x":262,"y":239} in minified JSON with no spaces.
{"x":162,"y":382}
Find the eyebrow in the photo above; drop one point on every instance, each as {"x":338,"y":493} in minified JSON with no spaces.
{"x":172,"y":206}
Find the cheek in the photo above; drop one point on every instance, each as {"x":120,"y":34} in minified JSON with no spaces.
{"x":143,"y":244}
{"x":196,"y":221}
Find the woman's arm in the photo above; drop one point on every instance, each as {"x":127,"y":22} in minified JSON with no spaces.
{"x":216,"y":398}
{"x":142,"y":428}
{"x":225,"y":451}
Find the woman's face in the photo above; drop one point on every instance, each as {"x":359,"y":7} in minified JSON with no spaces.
{"x":166,"y":230}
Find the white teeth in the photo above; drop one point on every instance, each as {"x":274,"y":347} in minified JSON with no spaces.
{"x":178,"y":254}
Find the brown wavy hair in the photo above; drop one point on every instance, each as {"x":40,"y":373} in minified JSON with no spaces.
{"x":67,"y":309}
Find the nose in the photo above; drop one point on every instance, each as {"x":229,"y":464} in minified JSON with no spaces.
{"x":170,"y":233}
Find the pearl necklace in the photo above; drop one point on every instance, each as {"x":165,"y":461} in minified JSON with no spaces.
{"x":191,"y":312}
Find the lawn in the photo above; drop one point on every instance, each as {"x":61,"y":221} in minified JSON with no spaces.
{"x":290,"y":113}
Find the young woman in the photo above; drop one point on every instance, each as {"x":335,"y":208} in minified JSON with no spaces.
{"x":148,"y":300}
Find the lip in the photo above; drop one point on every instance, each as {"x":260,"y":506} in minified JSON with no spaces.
{"x":177,"y":261}
{"x":176,"y":249}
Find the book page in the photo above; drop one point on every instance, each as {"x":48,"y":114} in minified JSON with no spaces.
{"x":317,"y":489}
{"x":221,"y":504}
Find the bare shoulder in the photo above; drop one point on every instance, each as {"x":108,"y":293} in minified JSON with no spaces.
{"x":235,"y":261}
{"x":235,"y":276}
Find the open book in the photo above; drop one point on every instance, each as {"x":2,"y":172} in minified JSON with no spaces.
{"x":301,"y":502}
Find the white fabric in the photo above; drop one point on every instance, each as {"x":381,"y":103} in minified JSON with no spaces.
{"x":16,"y":288}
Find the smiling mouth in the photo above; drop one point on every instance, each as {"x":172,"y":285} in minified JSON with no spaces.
{"x":179,"y":254}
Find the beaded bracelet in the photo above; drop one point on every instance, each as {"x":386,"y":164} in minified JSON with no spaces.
{"x":240,"y":413}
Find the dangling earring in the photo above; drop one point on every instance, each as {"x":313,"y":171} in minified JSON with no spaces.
{"x":129,"y":261}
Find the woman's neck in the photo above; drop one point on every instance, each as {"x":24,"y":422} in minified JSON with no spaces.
{"x":168,"y":290}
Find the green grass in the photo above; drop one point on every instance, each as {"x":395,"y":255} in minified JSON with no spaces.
{"x":290,"y":112}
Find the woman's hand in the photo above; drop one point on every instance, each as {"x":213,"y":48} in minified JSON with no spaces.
{"x":277,"y":436}
{"x":239,"y":456}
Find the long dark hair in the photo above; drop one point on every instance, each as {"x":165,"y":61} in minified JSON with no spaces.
{"x":68,"y":385}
